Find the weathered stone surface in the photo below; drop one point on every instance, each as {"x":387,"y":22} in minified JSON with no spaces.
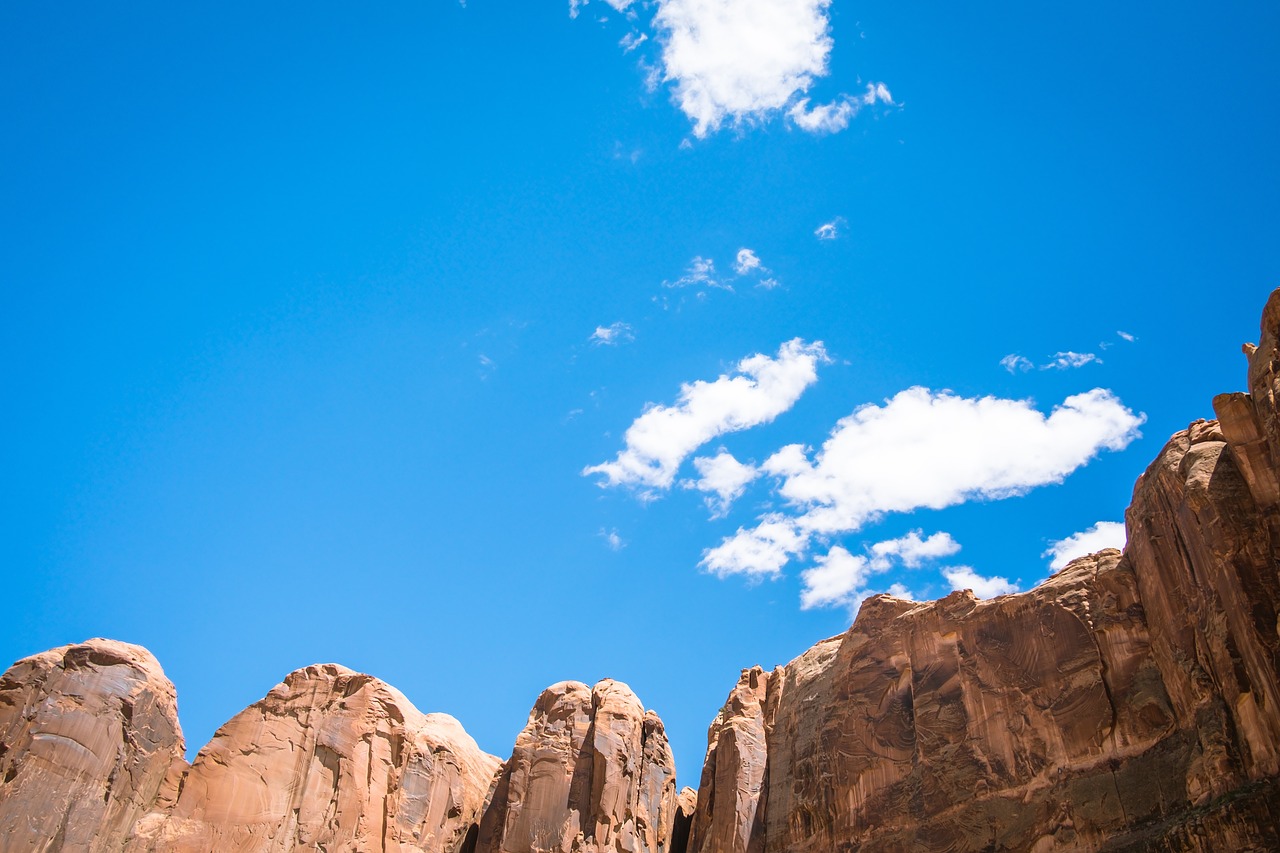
{"x":329,"y":760}
{"x":591,"y":771}
{"x":1130,"y":702}
{"x":88,"y":734}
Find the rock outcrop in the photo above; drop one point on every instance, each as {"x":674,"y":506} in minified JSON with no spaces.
{"x":1130,"y":702}
{"x":591,"y":772}
{"x":329,"y":760}
{"x":88,"y":734}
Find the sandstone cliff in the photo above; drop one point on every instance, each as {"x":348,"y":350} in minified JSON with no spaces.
{"x":1130,"y":702}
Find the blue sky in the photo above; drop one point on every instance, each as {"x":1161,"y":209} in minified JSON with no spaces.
{"x":314,"y":320}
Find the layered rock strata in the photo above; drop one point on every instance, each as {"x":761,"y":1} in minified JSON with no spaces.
{"x":591,"y":772}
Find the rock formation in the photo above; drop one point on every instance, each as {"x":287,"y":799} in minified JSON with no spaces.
{"x":591,"y":772}
{"x":328,"y":760}
{"x":88,"y":734}
{"x":1129,"y":702}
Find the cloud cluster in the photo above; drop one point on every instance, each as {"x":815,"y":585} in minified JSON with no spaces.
{"x":1067,"y":360}
{"x":841,"y":578}
{"x":921,"y":449}
{"x":760,"y":389}
{"x":964,"y":577}
{"x":701,"y":273}
{"x":1104,"y":534}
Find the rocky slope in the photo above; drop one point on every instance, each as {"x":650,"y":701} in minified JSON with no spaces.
{"x":1130,"y":702}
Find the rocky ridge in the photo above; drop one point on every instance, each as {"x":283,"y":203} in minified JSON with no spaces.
{"x":1130,"y":702}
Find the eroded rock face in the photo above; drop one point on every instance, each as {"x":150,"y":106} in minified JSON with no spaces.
{"x":1129,"y":702}
{"x":329,"y":760}
{"x":88,"y":734}
{"x":591,"y":771}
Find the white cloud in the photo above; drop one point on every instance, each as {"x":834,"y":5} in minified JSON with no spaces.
{"x":922,"y":449}
{"x":911,"y":550}
{"x":835,"y":116}
{"x":746,"y":261}
{"x":822,"y":118}
{"x":1104,"y":534}
{"x":663,"y":436}
{"x":842,"y":578}
{"x":963,"y":577}
{"x":1068,"y":360}
{"x":724,"y":477}
{"x":701,"y":273}
{"x":829,"y":230}
{"x":1126,"y":336}
{"x":612,"y":539}
{"x":767,"y":283}
{"x":631,"y":41}
{"x":741,"y":60}
{"x":836,"y":578}
{"x":1014,"y":363}
{"x":618,"y":6}
{"x":612,"y":335}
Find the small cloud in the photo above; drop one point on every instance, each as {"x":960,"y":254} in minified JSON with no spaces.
{"x":911,"y":550}
{"x":701,"y":273}
{"x":1126,"y":336}
{"x":767,"y":283}
{"x":746,"y":262}
{"x":632,"y":40}
{"x":822,"y":118}
{"x":1104,"y":534}
{"x":724,"y":478}
{"x":612,"y":539}
{"x":612,"y":335}
{"x":1069,"y":360}
{"x":964,"y":577}
{"x":842,"y":578}
{"x":829,"y":230}
{"x":618,"y":6}
{"x":1015,"y":363}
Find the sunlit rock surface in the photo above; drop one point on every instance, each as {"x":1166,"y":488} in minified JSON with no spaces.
{"x":329,"y":760}
{"x":88,"y":734}
{"x":591,"y":771}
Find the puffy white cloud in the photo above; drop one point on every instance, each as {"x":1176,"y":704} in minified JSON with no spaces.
{"x":741,"y":60}
{"x":724,"y":478}
{"x":829,"y":230}
{"x":922,"y":449}
{"x":1068,"y":360}
{"x":836,"y":578}
{"x":662,"y":437}
{"x":701,"y":273}
{"x":1104,"y":534}
{"x":842,"y":578}
{"x":746,"y":261}
{"x":911,"y":550}
{"x":835,"y":116}
{"x":963,"y":577}
{"x":612,"y":335}
{"x":1014,"y":363}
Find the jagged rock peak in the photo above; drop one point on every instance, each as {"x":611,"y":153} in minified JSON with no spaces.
{"x":591,"y":771}
{"x":88,"y":734}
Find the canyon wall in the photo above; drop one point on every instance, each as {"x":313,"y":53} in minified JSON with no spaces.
{"x":1129,"y":702}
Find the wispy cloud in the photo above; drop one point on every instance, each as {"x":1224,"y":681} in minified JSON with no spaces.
{"x":700,"y":273}
{"x":1104,"y":534}
{"x":1068,"y":360}
{"x":921,"y":449}
{"x":829,"y":230}
{"x":612,"y":335}
{"x":760,"y":388}
{"x":1126,"y":336}
{"x":835,"y":116}
{"x":612,"y":540}
{"x":746,"y":262}
{"x":1015,"y":363}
